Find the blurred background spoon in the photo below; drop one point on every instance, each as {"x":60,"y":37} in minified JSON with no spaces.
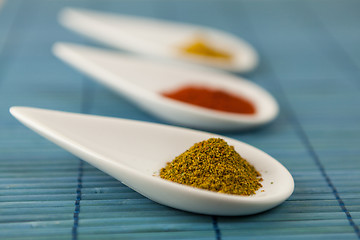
{"x":159,"y":38}
{"x":143,"y":81}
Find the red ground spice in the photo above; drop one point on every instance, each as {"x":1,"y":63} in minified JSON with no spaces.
{"x":213,"y":99}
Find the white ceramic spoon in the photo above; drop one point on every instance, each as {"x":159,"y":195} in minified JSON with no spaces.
{"x":143,"y":81}
{"x":133,"y":152}
{"x":158,"y":38}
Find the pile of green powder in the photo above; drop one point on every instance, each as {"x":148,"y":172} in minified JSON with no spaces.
{"x":213,"y":165}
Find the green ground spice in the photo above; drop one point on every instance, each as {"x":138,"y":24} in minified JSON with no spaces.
{"x":213,"y":165}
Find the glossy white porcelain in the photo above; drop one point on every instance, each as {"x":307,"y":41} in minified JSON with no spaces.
{"x":155,"y":37}
{"x":133,"y":152}
{"x":143,"y":80}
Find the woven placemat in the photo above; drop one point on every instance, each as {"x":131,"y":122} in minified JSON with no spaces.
{"x":310,"y":62}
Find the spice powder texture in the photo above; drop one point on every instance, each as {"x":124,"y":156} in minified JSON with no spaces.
{"x":201,"y":48}
{"x":213,"y":165}
{"x":215,"y":99}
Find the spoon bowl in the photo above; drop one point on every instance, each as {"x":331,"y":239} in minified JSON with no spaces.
{"x":158,"y":38}
{"x":143,"y":81}
{"x":133,"y":152}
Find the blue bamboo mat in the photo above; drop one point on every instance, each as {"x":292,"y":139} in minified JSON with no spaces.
{"x":310,"y":62}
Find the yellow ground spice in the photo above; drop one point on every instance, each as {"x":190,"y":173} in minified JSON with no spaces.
{"x":213,"y":165}
{"x":200,"y":47}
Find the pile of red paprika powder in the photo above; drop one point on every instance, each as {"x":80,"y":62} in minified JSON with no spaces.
{"x":214,"y":99}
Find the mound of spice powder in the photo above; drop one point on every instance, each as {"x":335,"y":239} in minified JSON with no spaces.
{"x":213,"y":165}
{"x":199,"y":46}
{"x":214,"y":99}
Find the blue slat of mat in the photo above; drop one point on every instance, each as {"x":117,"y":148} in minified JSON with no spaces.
{"x":309,"y":62}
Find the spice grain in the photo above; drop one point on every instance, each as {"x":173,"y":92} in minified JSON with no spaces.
{"x":213,"y":165}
